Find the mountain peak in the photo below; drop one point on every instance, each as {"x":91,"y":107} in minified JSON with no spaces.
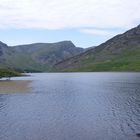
{"x":64,"y":42}
{"x":3,"y":44}
{"x":138,"y":26}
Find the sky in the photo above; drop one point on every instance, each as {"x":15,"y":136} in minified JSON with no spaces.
{"x":85,"y":22}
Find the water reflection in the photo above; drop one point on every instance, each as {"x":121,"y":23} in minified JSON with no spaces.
{"x":15,"y":86}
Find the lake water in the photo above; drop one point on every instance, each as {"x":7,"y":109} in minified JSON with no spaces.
{"x":71,"y":106}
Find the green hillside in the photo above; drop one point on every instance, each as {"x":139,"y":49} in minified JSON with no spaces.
{"x":8,"y":73}
{"x":121,"y":53}
{"x":36,"y":57}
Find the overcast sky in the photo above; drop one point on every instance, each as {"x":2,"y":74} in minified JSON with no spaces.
{"x":85,"y":22}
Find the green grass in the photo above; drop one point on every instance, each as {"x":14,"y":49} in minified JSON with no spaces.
{"x":126,"y":61}
{"x":23,"y":62}
{"x":8,"y":73}
{"x":108,"y":66}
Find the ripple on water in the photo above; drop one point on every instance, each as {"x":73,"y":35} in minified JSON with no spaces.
{"x":73,"y":106}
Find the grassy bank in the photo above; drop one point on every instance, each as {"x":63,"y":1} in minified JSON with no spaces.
{"x":8,"y":73}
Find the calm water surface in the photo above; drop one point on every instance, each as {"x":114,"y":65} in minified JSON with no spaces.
{"x":71,"y":106}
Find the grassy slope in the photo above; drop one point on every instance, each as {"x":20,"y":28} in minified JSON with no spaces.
{"x":37,"y":57}
{"x":8,"y":73}
{"x":120,"y":53}
{"x":24,"y":62}
{"x":21,"y":61}
{"x":126,"y":61}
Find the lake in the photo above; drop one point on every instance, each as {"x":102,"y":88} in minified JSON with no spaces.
{"x":71,"y":106}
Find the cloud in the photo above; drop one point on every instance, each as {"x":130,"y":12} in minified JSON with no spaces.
{"x":99,"y":32}
{"x":60,"y":14}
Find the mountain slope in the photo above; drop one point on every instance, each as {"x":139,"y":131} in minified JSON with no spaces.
{"x":36,"y":57}
{"x":121,"y":53}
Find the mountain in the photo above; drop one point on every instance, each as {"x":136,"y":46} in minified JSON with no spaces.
{"x":37,"y":56}
{"x":121,"y":53}
{"x":2,"y":47}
